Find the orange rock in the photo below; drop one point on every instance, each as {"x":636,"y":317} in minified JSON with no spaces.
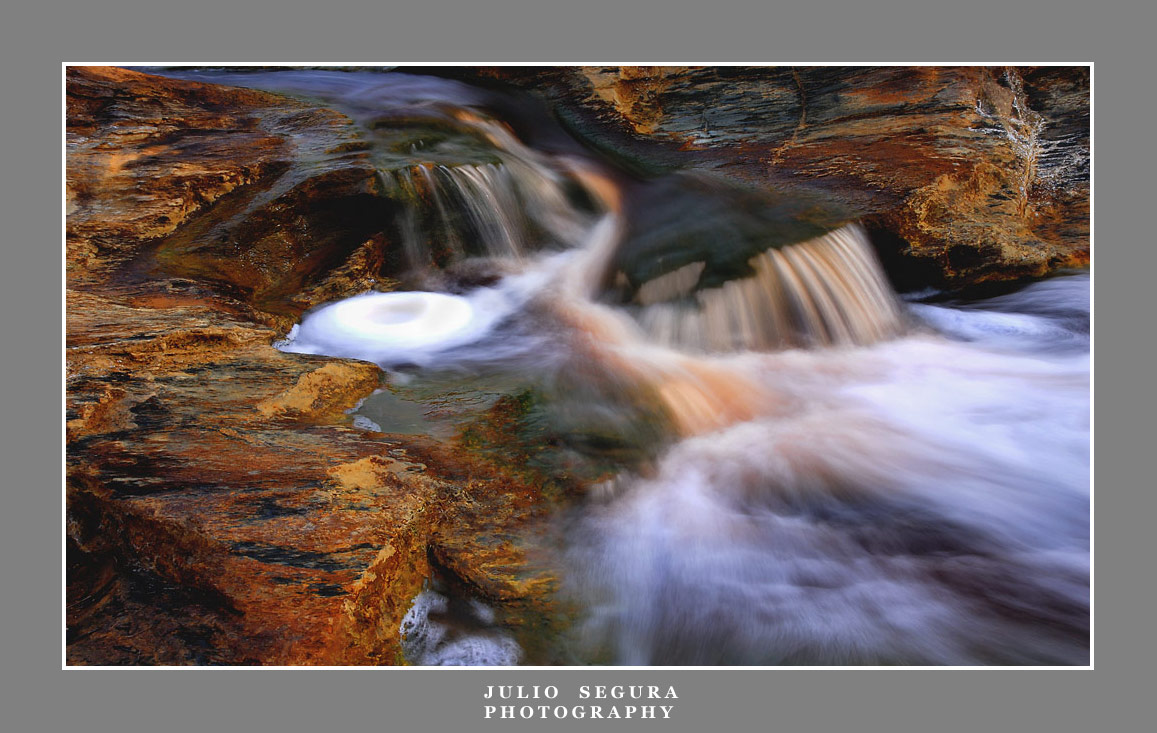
{"x":220,"y":508}
{"x":323,"y":393}
{"x":963,"y":174}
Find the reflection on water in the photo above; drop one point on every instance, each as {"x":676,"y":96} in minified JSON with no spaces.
{"x":785,"y":464}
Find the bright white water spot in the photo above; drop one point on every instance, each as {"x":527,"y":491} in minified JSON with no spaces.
{"x":397,"y":327}
{"x":362,"y":422}
{"x":434,"y":642}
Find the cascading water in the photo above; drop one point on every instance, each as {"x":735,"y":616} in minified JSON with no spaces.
{"x":841,"y":478}
{"x":921,"y":501}
{"x":486,"y":210}
{"x":827,"y":291}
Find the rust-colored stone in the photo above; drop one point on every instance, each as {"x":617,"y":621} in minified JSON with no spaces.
{"x":220,"y":507}
{"x":323,"y":393}
{"x":963,"y":174}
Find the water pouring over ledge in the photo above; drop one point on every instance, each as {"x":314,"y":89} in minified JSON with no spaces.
{"x":845,"y":478}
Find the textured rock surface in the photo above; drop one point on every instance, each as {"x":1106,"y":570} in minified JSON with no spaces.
{"x":220,"y":507}
{"x":963,"y":174}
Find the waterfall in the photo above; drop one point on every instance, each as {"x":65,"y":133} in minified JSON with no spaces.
{"x":476,"y":211}
{"x":828,"y":291}
{"x":502,"y":210}
{"x":828,"y":485}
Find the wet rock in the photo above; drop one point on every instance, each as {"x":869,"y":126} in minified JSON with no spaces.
{"x":221,"y":507}
{"x":323,"y":393}
{"x":176,"y":189}
{"x":963,"y":174}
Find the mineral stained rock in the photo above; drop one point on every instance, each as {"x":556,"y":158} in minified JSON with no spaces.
{"x":220,"y":507}
{"x":963,"y":174}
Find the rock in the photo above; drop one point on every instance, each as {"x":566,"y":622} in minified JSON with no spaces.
{"x":221,"y":509}
{"x":221,"y":506}
{"x":323,"y":393}
{"x":254,"y":195}
{"x":962,"y":174}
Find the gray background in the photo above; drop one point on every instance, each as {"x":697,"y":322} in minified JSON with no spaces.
{"x":36,"y":694}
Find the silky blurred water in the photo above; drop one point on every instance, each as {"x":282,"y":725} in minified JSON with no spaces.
{"x":915,"y":492}
{"x":921,"y":501}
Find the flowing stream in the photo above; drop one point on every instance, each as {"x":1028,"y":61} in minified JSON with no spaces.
{"x":785,"y":462}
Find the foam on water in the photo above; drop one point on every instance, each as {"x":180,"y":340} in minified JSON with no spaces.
{"x":407,"y":327}
{"x":921,"y":501}
{"x":896,"y":495}
{"x":429,"y":642}
{"x":1051,"y":315}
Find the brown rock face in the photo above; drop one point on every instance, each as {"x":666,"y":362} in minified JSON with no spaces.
{"x":220,"y":509}
{"x":963,"y":174}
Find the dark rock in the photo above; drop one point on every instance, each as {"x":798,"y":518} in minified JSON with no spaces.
{"x":966,"y":174}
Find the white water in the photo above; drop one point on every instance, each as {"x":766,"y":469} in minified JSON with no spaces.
{"x":430,"y":642}
{"x":921,"y":501}
{"x":501,"y":211}
{"x":914,"y":489}
{"x":828,"y":291}
{"x":397,"y":327}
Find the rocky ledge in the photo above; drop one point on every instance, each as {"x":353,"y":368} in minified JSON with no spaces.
{"x":962,"y":174}
{"x":221,"y":509}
